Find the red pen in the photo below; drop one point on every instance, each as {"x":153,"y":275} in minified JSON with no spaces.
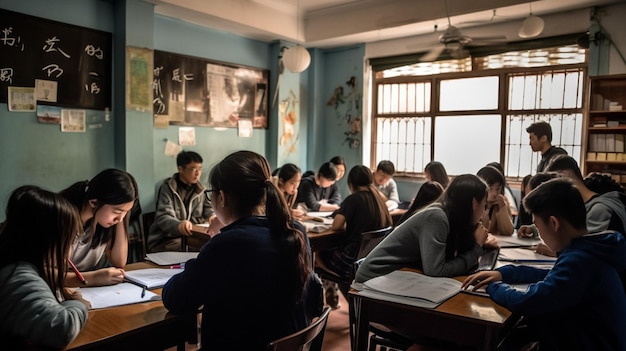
{"x":78,"y":274}
{"x":178,"y":266}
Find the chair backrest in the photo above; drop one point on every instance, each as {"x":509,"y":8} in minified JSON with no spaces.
{"x":370,"y":239}
{"x":147,"y":219}
{"x":302,"y":340}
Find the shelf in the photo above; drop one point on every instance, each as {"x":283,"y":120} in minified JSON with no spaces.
{"x":608,"y":129}
{"x":596,"y":162}
{"x":607,"y":112}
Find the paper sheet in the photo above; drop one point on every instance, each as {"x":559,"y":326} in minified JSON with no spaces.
{"x":116,"y":295}
{"x":170,"y":257}
{"x":152,"y":277}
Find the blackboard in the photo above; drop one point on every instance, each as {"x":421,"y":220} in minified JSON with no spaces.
{"x":196,"y":91}
{"x":77,"y":58}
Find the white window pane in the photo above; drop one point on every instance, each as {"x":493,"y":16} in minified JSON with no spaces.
{"x":402,"y":99}
{"x":464,"y":144}
{"x":469,"y":94}
{"x":516,"y":92}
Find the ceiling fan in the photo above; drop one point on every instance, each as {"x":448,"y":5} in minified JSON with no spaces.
{"x":454,"y":42}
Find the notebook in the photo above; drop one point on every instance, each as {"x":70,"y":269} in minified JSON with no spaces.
{"x":152,"y":278}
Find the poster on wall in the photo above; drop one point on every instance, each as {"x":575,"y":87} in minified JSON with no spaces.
{"x":198,"y":92}
{"x":138,"y":79}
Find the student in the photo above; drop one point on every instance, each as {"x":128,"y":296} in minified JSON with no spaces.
{"x":435,"y":171}
{"x":444,"y":240}
{"x":524,"y":218}
{"x":579,"y":304}
{"x":287,"y":179}
{"x":603,"y":211}
{"x":497,"y":217}
{"x":181,"y":204}
{"x":602,"y":183}
{"x":314,"y":190}
{"x":363,"y":210}
{"x":253,"y":279}
{"x":427,"y":194}
{"x":335,"y":194}
{"x":507,"y":190}
{"x":540,"y":140}
{"x":102,"y":203}
{"x":35,"y":242}
{"x":383,"y":179}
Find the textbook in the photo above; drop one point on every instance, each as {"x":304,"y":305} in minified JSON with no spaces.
{"x":152,"y":278}
{"x":411,"y":288}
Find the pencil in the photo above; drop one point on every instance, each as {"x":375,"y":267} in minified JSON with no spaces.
{"x":78,"y":274}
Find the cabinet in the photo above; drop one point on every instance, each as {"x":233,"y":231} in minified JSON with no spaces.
{"x":605,"y":127}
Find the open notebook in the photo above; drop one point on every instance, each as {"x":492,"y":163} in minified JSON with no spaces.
{"x":152,"y":278}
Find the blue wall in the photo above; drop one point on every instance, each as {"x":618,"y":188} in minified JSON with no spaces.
{"x":34,"y":153}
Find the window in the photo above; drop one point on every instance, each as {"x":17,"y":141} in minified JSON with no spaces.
{"x":465,"y":119}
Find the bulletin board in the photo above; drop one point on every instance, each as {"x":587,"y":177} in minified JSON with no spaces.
{"x":195,"y":91}
{"x":75,"y":59}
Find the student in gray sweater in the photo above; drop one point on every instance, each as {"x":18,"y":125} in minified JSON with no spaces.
{"x":445,"y":239}
{"x":35,"y":308}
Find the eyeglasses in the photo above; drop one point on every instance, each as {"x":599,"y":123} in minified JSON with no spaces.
{"x":208,"y":193}
{"x":194,"y":169}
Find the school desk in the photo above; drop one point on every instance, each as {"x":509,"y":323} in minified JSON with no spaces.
{"x":142,"y":326}
{"x":464,"y":319}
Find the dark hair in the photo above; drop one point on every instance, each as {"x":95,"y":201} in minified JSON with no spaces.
{"x":361,"y":176}
{"x":244,"y":177}
{"x":564,"y":163}
{"x":540,"y":129}
{"x":40,"y":227}
{"x":427,"y":194}
{"x":386,"y":167}
{"x":437,"y":173}
{"x":525,"y":181}
{"x":288,"y":171}
{"x":338,"y":160}
{"x":109,"y":187}
{"x":559,"y":198}
{"x":328,"y":171}
{"x":602,"y":183}
{"x":492,"y":176}
{"x":539,"y":178}
{"x":186,"y":157}
{"x":456,"y":201}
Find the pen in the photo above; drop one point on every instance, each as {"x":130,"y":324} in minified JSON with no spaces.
{"x":178,"y":266}
{"x":78,"y":274}
{"x":143,"y":287}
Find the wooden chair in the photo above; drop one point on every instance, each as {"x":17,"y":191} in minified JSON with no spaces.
{"x":304,"y":339}
{"x":369,"y":240}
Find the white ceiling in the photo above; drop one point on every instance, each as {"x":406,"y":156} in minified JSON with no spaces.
{"x":332,"y":23}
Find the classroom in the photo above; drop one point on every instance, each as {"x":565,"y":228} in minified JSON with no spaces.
{"x":329,"y":106}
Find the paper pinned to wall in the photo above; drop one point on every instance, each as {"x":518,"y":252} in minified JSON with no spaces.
{"x":187,"y":136}
{"x":245,"y":128}
{"x":172,"y":149}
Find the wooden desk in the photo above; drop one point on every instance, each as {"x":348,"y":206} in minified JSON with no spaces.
{"x":464,"y":319}
{"x":142,"y":326}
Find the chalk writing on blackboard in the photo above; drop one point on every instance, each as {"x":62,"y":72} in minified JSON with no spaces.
{"x":78,"y":59}
{"x":194,"y":91}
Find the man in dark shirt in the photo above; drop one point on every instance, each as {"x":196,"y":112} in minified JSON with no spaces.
{"x":540,"y":137}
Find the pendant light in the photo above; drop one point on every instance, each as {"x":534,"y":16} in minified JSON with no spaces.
{"x":532,"y":25}
{"x":297,"y":58}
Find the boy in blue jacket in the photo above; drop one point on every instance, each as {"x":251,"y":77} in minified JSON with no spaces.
{"x":579,"y":304}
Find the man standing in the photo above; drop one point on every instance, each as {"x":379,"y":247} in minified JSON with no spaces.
{"x":540,"y":137}
{"x":181,"y":203}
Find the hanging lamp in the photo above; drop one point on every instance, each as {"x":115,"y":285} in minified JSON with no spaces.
{"x":297,"y":58}
{"x":532,"y":25}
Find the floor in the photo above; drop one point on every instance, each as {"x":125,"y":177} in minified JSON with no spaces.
{"x":336,"y":338}
{"x":337,"y":335}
